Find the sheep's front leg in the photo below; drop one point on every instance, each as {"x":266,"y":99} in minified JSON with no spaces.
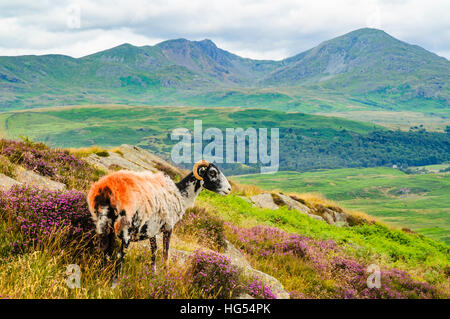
{"x":166,"y":243}
{"x":153,"y":247}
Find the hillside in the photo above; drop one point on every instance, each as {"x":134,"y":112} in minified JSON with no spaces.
{"x":371,"y":65}
{"x":418,"y":201}
{"x":307,"y":142}
{"x":363,"y":70}
{"x":297,"y":248}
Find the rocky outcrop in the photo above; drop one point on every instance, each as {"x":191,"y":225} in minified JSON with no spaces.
{"x":7,"y":182}
{"x":31,"y":178}
{"x":264,"y":200}
{"x":24,"y":176}
{"x":293,"y":204}
{"x":331,"y":216}
{"x":112,"y":162}
{"x":241,"y":262}
{"x":181,"y":257}
{"x":132,"y":158}
{"x":334,"y":216}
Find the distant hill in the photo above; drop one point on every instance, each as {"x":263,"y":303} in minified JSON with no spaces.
{"x":307,"y":142}
{"x":365,"y":69}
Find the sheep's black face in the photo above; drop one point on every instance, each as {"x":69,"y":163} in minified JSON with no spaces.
{"x":214,"y":180}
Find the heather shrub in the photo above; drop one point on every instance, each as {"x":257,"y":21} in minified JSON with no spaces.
{"x":207,"y":229}
{"x":59,"y":165}
{"x":259,"y":290}
{"x":39,"y":214}
{"x":214,"y":274}
{"x":395,"y":284}
{"x":340,"y":275}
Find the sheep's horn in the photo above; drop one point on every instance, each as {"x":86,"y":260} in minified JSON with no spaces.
{"x":202,"y":163}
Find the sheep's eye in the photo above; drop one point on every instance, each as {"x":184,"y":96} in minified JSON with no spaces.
{"x":213,"y":174}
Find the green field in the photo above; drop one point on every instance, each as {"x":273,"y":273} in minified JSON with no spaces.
{"x":397,"y":120}
{"x":420,"y":201}
{"x":321,"y":142}
{"x":78,"y":126}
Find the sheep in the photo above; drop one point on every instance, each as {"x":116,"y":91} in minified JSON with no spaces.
{"x":136,"y":206}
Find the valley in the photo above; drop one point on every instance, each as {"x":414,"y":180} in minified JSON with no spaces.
{"x":416,"y":201}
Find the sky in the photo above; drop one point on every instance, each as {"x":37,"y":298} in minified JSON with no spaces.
{"x":258,"y":29}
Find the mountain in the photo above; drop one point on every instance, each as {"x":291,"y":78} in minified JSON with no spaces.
{"x":366,"y":69}
{"x":368,"y":61}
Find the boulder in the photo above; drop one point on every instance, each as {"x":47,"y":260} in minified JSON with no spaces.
{"x":7,"y":182}
{"x":31,"y":178}
{"x":113,"y":160}
{"x":317,"y":217}
{"x":132,"y":158}
{"x":139,"y":157}
{"x":340,"y":217}
{"x":332,"y":215}
{"x":241,"y":262}
{"x":180,"y":257}
{"x":293,"y":204}
{"x":264,"y":200}
{"x":328,"y":217}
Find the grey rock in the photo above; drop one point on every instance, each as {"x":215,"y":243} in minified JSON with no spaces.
{"x":139,"y":157}
{"x":328,"y":217}
{"x":132,"y":158}
{"x":31,"y":178}
{"x":113,"y":160}
{"x":7,"y":182}
{"x":244,"y":296}
{"x":340,"y":217}
{"x":264,"y":200}
{"x":317,"y":217}
{"x":241,"y":262}
{"x":180,"y":257}
{"x":293,"y":204}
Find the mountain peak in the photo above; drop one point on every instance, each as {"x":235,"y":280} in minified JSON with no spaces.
{"x":207,"y":42}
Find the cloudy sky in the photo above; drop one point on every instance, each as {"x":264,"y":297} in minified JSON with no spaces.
{"x":263,"y":29}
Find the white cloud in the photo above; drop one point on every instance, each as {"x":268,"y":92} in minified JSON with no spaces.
{"x":258,"y":29}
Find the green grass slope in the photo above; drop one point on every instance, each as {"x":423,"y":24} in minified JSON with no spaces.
{"x":418,"y":201}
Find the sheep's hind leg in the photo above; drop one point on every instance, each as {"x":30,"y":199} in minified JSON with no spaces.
{"x":153,"y":247}
{"x":119,"y":264}
{"x":166,"y":244}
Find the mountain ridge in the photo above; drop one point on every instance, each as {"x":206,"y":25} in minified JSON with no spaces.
{"x":367,"y":67}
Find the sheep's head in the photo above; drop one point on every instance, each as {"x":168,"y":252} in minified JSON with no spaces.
{"x":213,"y":179}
